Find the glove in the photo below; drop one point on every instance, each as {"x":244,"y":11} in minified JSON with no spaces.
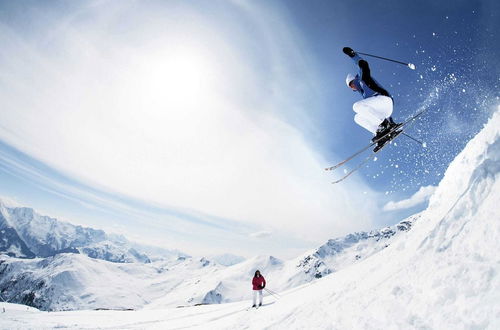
{"x":348,"y":51}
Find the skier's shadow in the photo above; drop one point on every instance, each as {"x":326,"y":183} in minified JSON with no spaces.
{"x":250,"y":308}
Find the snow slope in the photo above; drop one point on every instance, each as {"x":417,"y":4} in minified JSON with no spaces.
{"x":74,"y":281}
{"x":231,"y":284}
{"x":45,"y":263}
{"x":68,"y":281}
{"x":443,"y":274}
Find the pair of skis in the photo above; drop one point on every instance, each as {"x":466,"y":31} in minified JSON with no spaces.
{"x":372,"y":155}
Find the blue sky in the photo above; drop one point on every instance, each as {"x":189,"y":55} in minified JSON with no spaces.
{"x":204,"y":126}
{"x":455,"y":48}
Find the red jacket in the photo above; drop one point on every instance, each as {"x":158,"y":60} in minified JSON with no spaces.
{"x":259,"y":283}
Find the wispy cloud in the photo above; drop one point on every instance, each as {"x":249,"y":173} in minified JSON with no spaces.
{"x":185,"y":118}
{"x":261,"y":234}
{"x":10,"y":202}
{"x":421,"y":196}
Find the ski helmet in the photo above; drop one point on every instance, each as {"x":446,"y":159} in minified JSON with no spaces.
{"x":350,"y":77}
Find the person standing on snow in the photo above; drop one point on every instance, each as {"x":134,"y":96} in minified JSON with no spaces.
{"x":374,"y":111}
{"x":258,"y":283}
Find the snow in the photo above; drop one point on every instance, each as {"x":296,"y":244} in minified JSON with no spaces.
{"x":69,"y":281}
{"x":421,"y":196}
{"x":7,"y":307}
{"x":441,"y":274}
{"x":227,"y":259}
{"x":25,"y":233}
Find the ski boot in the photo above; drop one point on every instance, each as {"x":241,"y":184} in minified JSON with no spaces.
{"x":386,"y":139}
{"x":385,"y":127}
{"x":382,"y":130}
{"x":387,"y":131}
{"x":393,"y":125}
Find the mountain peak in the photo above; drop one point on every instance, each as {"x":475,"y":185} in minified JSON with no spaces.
{"x":28,"y":234}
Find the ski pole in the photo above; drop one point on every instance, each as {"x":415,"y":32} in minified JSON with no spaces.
{"x":274,"y":295}
{"x":271,"y":291}
{"x":411,"y":137}
{"x":410,"y":65}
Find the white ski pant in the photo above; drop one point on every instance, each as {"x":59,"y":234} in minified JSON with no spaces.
{"x":255,"y":293}
{"x":372,"y":111}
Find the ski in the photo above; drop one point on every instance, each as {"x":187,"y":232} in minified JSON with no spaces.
{"x":408,"y":121}
{"x":331,"y":168}
{"x":366,"y":160}
{"x":361,"y":164}
{"x":372,"y":155}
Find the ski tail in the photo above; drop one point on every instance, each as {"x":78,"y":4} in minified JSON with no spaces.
{"x":361,"y":164}
{"x":331,"y":168}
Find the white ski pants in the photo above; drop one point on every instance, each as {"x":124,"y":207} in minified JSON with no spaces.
{"x":255,"y":293}
{"x":372,"y":111}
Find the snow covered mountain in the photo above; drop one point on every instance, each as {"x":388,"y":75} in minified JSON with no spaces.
{"x":74,"y":281}
{"x":26,"y":234}
{"x":227,"y":259}
{"x":441,"y":274}
{"x":230,"y":284}
{"x":342,"y":252}
{"x":68,"y":281}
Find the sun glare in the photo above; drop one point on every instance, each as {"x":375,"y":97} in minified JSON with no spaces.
{"x":180,"y":80}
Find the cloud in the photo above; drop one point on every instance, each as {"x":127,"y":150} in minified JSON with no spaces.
{"x":186,"y":118}
{"x":9,"y":201}
{"x":421,"y":196}
{"x":261,"y":234}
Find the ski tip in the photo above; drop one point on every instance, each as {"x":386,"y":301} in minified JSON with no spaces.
{"x":411,"y":66}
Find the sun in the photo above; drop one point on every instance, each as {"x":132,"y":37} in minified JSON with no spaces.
{"x":177,"y":80}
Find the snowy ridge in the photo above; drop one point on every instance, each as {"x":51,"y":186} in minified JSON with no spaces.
{"x":26,"y":234}
{"x":342,"y":252}
{"x":231,"y":284}
{"x":74,"y":281}
{"x":68,"y":281}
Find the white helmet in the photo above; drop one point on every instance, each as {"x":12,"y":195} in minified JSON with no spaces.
{"x":350,"y":77}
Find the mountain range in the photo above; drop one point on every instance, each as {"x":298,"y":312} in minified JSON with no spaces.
{"x":55,"y":265}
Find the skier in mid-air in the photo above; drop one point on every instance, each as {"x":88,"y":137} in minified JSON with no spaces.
{"x":258,"y":283}
{"x":374,"y":111}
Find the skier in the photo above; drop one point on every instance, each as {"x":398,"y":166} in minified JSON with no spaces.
{"x":258,"y":283}
{"x":374,"y":111}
